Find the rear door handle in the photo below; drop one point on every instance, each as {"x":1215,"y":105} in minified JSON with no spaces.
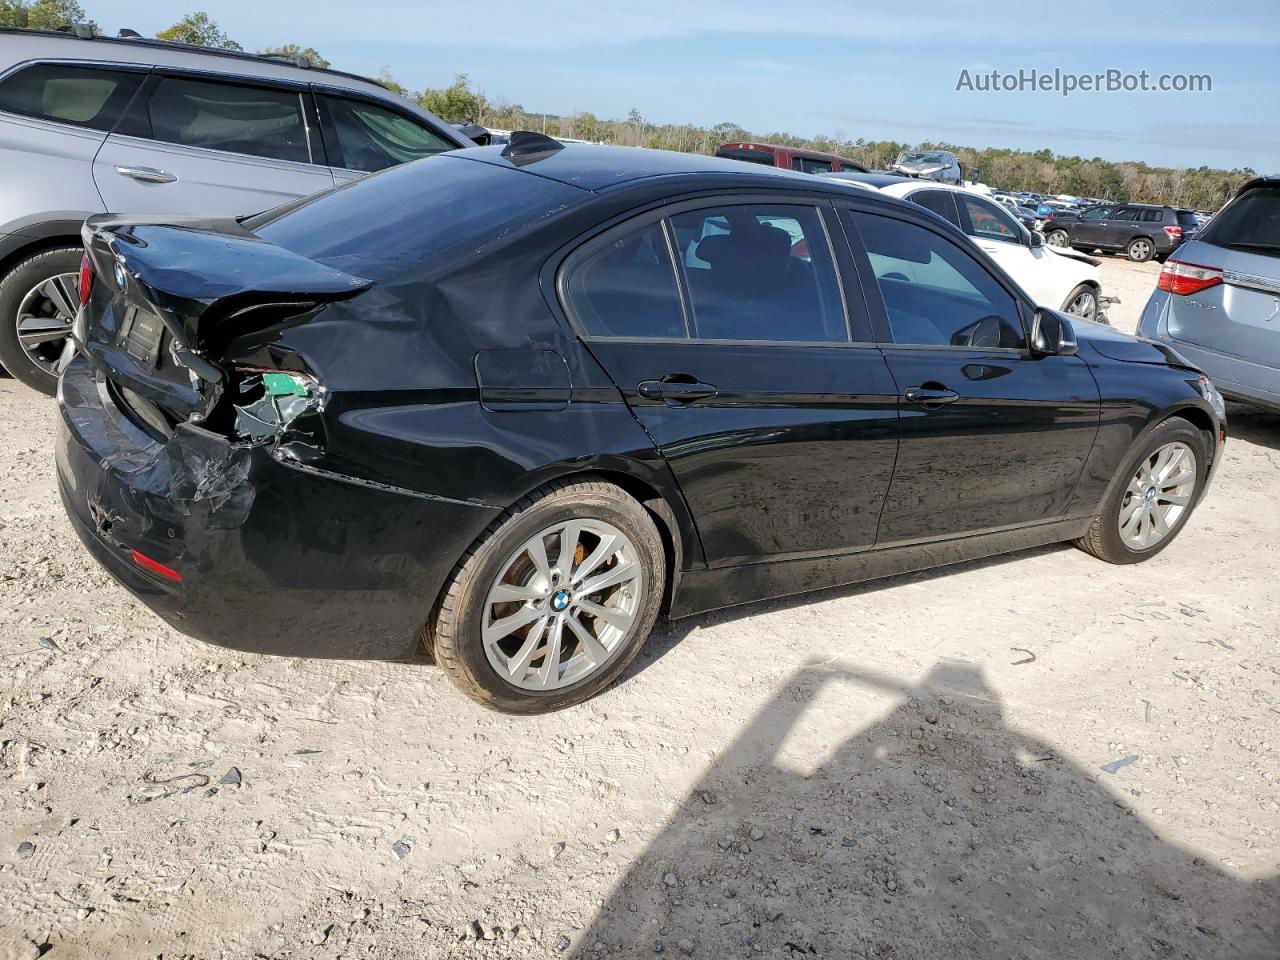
{"x":929,"y":397}
{"x":147,"y":174}
{"x":675,"y":391}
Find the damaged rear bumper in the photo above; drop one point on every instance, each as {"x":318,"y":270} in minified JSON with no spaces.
{"x":274,"y":557}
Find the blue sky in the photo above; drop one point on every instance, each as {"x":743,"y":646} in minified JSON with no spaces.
{"x":837,"y":68}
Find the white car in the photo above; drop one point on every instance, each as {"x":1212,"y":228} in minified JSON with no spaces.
{"x":1056,"y":277}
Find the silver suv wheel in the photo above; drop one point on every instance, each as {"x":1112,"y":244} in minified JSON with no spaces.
{"x":44,"y":319}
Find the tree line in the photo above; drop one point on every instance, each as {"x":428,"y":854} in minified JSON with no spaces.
{"x":1039,"y":171}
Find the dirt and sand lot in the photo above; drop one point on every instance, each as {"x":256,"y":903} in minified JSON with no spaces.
{"x":1038,"y":756}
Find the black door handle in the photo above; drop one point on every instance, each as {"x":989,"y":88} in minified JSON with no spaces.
{"x":675,"y":391}
{"x":929,"y":396}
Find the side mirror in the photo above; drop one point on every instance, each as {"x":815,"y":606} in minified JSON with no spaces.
{"x":1051,"y":335}
{"x":1037,"y":239}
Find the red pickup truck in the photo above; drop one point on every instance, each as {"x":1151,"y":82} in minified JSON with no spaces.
{"x":788,"y":158}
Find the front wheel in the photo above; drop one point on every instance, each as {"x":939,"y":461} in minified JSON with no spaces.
{"x":1057,"y":238}
{"x":554,"y":601}
{"x":1140,"y":250}
{"x":1159,"y":487}
{"x":38,"y":302}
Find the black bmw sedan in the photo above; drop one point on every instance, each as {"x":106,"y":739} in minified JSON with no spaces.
{"x":515,"y":404}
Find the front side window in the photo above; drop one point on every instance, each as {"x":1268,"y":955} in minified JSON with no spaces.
{"x":258,"y":121}
{"x":628,"y":289}
{"x":364,"y":136}
{"x":760,"y":272}
{"x":934,"y":292}
{"x":90,"y":97}
{"x":989,"y":221}
{"x":1096,"y":213}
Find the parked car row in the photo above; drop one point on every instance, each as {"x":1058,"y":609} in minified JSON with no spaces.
{"x":1141,"y":231}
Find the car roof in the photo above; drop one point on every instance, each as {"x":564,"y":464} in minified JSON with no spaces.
{"x":20,"y":46}
{"x":598,"y":167}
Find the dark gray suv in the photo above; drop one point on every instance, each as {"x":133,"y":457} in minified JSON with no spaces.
{"x":97,"y":124}
{"x":1140,"y":230}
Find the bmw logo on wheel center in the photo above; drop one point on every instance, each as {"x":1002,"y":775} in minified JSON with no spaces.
{"x":559,"y":600}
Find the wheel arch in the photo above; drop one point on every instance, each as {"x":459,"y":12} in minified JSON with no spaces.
{"x":1199,"y":417}
{"x":35,"y":240}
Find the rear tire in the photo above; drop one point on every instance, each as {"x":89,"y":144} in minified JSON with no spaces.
{"x":1140,"y":250}
{"x":514,"y":672}
{"x":1082,"y":302}
{"x":1105,"y":539}
{"x":19,"y":291}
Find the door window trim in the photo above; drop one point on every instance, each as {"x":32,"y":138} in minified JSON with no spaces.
{"x":587,"y":245}
{"x":875,"y":299}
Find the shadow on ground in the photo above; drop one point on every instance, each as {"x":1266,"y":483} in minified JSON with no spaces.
{"x":936,"y":832}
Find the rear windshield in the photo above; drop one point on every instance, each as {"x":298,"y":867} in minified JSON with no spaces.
{"x":415,"y":215}
{"x":1250,"y":222}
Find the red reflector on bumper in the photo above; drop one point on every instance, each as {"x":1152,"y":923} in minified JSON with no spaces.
{"x":146,"y":563}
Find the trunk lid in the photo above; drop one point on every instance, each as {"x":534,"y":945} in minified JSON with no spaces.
{"x":168,"y":296}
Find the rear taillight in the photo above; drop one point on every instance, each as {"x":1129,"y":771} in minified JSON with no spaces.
{"x":86,"y":279}
{"x":1173,"y":232}
{"x":1184,"y":279}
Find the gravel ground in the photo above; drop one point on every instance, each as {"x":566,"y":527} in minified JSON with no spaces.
{"x":1037,"y":756}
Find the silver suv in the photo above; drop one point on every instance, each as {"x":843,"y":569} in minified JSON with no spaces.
{"x":94,"y":124}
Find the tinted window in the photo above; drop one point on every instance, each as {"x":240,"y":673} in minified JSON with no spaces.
{"x":259,"y":121}
{"x":939,"y":201}
{"x":750,"y":156}
{"x":934,"y":292}
{"x":760,"y":272}
{"x":628,"y":289}
{"x":989,"y":221}
{"x":1251,"y":222}
{"x":84,"y":96}
{"x":364,"y":136}
{"x":1126,"y":213}
{"x":1188,"y":218}
{"x":414,"y":218}
{"x":1150,"y":216}
{"x":1096,"y":213}
{"x":851,"y":168}
{"x":810,"y":165}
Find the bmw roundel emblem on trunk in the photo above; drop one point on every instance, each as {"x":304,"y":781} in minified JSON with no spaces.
{"x":121,"y":277}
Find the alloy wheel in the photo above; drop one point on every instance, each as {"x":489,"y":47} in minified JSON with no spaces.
{"x":1056,"y":238}
{"x":1159,"y":493}
{"x":1139,"y":250}
{"x":563,"y":605}
{"x":1084,"y":304}
{"x":44,"y":320}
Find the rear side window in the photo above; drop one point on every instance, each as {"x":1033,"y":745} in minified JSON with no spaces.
{"x":1251,"y":222}
{"x":259,"y":121}
{"x":764,"y":157}
{"x":760,"y":272}
{"x":939,"y":201}
{"x":990,"y":222}
{"x":90,"y":97}
{"x":1151,"y":216}
{"x":934,"y":292}
{"x":1126,"y":213}
{"x":810,"y":165}
{"x":851,"y":168}
{"x":364,"y":136}
{"x":628,"y":289}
